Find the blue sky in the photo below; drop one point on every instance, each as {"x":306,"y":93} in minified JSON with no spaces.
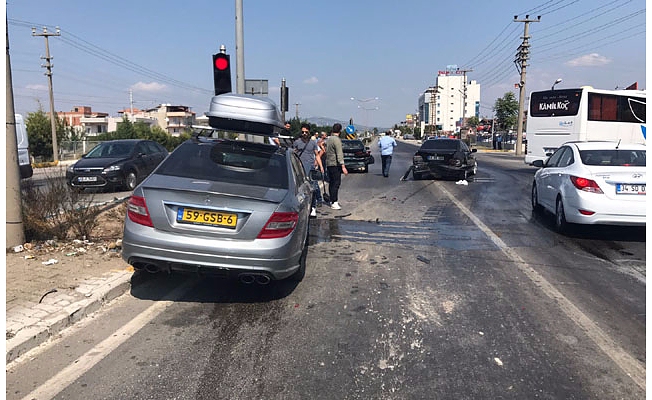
{"x":328,"y":51}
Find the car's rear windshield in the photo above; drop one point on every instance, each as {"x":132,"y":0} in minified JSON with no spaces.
{"x":352,"y":145}
{"x":439,"y":144}
{"x":613,"y":157}
{"x":228,"y":161}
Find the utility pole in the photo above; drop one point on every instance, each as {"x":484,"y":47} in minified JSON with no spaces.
{"x":521,"y":57}
{"x":14,"y":221}
{"x":239,"y":49}
{"x":284,"y":99}
{"x":131,"y":104}
{"x":296,"y":105}
{"x":49,"y":66}
{"x":464,"y":71}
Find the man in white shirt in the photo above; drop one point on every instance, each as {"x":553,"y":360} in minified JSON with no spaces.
{"x":386,"y":144}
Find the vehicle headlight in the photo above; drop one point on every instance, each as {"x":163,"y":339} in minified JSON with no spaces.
{"x":71,"y":168}
{"x":112,"y":168}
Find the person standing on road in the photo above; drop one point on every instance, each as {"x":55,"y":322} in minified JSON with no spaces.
{"x":308,"y":152}
{"x":386,"y":144}
{"x":335,"y":165}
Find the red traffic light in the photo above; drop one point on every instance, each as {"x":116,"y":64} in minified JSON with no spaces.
{"x":221,"y":62}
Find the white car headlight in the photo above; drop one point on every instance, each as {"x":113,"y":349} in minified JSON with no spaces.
{"x":71,"y":168}
{"x":112,"y":168}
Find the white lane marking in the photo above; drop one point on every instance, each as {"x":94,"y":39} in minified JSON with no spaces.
{"x":84,"y":363}
{"x":630,"y":365}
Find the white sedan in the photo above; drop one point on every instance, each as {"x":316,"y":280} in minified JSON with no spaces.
{"x":592,"y":183}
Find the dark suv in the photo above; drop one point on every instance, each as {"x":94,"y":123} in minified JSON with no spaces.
{"x":356,"y":155}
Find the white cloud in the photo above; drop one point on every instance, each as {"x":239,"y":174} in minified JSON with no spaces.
{"x":311,"y":81}
{"x":148,"y":87}
{"x":36,"y":87}
{"x":589,"y":60}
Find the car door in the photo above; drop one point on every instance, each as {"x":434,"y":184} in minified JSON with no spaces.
{"x":143,"y":160}
{"x":469,"y":157}
{"x":549,"y":179}
{"x":157,"y":153}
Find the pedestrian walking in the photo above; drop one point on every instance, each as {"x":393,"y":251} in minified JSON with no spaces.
{"x":386,"y":144}
{"x":335,"y":165}
{"x":308,"y":152}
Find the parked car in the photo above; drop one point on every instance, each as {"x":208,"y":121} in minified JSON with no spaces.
{"x":225,"y":207}
{"x":444,"y":158}
{"x":357,"y":156}
{"x":407,"y":136}
{"x":22,"y":142}
{"x":592,"y":183}
{"x":116,"y":164}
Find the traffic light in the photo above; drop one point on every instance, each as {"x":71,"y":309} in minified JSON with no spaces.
{"x":222,"y":73}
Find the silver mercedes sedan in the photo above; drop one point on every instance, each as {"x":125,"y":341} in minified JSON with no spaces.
{"x":221,"y":206}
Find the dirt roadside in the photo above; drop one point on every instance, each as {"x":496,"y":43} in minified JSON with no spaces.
{"x":64,"y":264}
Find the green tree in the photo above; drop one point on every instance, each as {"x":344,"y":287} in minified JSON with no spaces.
{"x":473,"y":122}
{"x":39,"y":132}
{"x":506,"y":109}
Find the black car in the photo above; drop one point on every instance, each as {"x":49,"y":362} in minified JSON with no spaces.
{"x":356,"y":155}
{"x":444,"y":158}
{"x":116,"y":163}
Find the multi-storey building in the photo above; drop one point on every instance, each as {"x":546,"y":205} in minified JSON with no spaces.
{"x":445,"y":106}
{"x":173,"y":119}
{"x":84,"y":121}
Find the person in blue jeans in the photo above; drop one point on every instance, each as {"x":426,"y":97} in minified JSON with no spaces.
{"x":386,"y":144}
{"x":308,"y":152}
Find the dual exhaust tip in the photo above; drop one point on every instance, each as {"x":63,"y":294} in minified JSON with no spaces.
{"x":246,"y":277}
{"x":249,"y":278}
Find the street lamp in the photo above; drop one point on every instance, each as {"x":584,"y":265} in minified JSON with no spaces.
{"x":366,"y":114}
{"x":365,"y":100}
{"x":556,"y":82}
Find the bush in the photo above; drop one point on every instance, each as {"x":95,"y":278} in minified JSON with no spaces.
{"x":56,"y":210}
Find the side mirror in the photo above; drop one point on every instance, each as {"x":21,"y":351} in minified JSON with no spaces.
{"x":474,"y":150}
{"x":538,"y":163}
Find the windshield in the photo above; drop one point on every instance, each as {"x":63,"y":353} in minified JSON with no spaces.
{"x":228,"y":161}
{"x":439,"y":144}
{"x":352,"y":145}
{"x":614,"y":158}
{"x":111,"y":150}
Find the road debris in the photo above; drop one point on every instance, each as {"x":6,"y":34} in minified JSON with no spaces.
{"x":51,"y":261}
{"x":423,"y":259}
{"x":497,"y":361}
{"x":462,"y":182}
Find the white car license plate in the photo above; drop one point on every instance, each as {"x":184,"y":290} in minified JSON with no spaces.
{"x":625,"y":188}
{"x":88,"y":179}
{"x":436,"y":158}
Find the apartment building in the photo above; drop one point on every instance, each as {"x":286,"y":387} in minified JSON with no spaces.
{"x":85,"y":121}
{"x":445,"y":105}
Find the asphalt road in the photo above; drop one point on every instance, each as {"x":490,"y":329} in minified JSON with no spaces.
{"x":414,"y":290}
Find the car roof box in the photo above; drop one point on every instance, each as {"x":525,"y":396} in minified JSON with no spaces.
{"x":245,"y":113}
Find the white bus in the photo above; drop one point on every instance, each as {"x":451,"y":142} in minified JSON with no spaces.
{"x":559,"y":116}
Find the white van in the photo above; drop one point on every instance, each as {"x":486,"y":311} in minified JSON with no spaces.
{"x":23,"y":148}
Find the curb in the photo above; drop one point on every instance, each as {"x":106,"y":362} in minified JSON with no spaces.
{"x":29,"y":327}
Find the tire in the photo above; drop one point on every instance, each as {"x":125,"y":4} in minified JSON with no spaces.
{"x":561,"y":225}
{"x":366,"y":169}
{"x":301,"y":272}
{"x":536,"y":207}
{"x":130,"y":180}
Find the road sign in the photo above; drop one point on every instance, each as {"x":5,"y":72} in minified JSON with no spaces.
{"x":350,"y":129}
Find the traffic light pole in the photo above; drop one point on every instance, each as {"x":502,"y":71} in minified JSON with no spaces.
{"x":14,"y":221}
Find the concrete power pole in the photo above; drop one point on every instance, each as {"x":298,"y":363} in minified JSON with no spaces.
{"x":239,"y":49}
{"x":522,"y":57}
{"x":49,"y":66}
{"x":464,"y":71}
{"x":14,"y":220}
